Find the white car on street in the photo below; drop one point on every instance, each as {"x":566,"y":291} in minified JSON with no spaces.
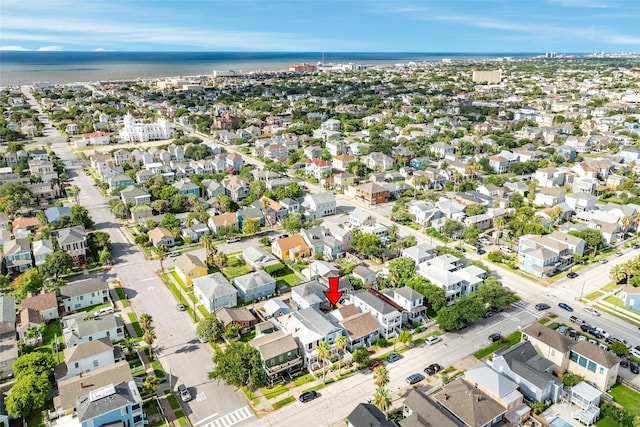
{"x":433,"y":339}
{"x":592,"y":311}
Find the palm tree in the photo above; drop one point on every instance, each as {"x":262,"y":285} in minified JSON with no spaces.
{"x":382,"y":400}
{"x":409,"y":241}
{"x":145,"y":321}
{"x":161,"y":252}
{"x":151,"y":384}
{"x":149,"y":337}
{"x":75,"y":192}
{"x":617,"y":273}
{"x":393,"y":231}
{"x":531,"y":193}
{"x":629,"y":270}
{"x":220,"y":260}
{"x":381,"y":376}
{"x":636,"y":222}
{"x":128,"y":344}
{"x":341,"y":344}
{"x":499,"y":223}
{"x":625,"y":221}
{"x":324,"y":351}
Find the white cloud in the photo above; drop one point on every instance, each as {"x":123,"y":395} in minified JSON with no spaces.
{"x":13,"y":48}
{"x":622,"y":39}
{"x":100,"y":49}
{"x":49,"y":49}
{"x":591,"y":4}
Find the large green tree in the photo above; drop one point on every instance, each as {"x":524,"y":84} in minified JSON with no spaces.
{"x":368,"y":244}
{"x":293,"y":222}
{"x":33,"y":363}
{"x":57,"y":264}
{"x":28,"y":394}
{"x":80,"y":216}
{"x":210,"y":329}
{"x":401,"y":270}
{"x":434,"y":296}
{"x":238,"y":364}
{"x":494,"y":295}
{"x":251,"y":226}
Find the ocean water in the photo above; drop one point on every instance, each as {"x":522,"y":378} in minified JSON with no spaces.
{"x":23,"y":68}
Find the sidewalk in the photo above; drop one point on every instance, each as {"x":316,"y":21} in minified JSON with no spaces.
{"x":167,"y":411}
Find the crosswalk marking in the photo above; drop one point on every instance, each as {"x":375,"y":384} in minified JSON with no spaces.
{"x":525,"y":306}
{"x":200,"y":397}
{"x":232,"y":418}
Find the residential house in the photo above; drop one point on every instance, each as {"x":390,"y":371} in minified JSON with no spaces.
{"x":309,"y":294}
{"x":136,"y":196}
{"x":582,"y":202}
{"x":319,"y":205}
{"x":387,"y":315}
{"x":545,"y":255}
{"x":82,"y":294}
{"x":25,"y":223}
{"x":119,"y":180}
{"x":257,"y":258}
{"x":280,"y":356}
{"x":187,"y":188}
{"x":370,"y":193}
{"x":419,"y":253}
{"x":161,"y":236}
{"x":114,"y":404}
{"x":17,"y":256}
{"x":41,"y":250}
{"x":309,"y":327}
{"x":235,"y":187}
{"x":531,"y":371}
{"x":411,"y":301}
{"x":499,"y":164}
{"x":365,"y":274}
{"x":72,"y":240}
{"x":322,"y":242}
{"x":290,"y":248}
{"x":318,"y":168}
{"x":341,"y":234}
{"x":630,"y":296}
{"x":359,"y":217}
{"x":290,"y":205}
{"x":586,"y":185}
{"x":596,"y":365}
{"x":88,"y":357}
{"x":420,"y":410}
{"x":442,"y":150}
{"x":242,"y":318}
{"x":469,"y":404}
{"x":227,"y":220}
{"x":79,"y":328}
{"x":141,"y":213}
{"x":342,"y":161}
{"x":54,"y":213}
{"x":361,"y":328}
{"x":214,"y":291}
{"x":549,"y":344}
{"x":344,"y":179}
{"x":29,"y":318}
{"x":377,"y":161}
{"x":255,"y":285}
{"x":195,"y":231}
{"x":368,"y":415}
{"x":189,"y":267}
{"x":45,"y":303}
{"x":121,"y":157}
{"x":8,"y":336}
{"x":273,"y":211}
{"x":212,"y":188}
{"x":250,"y":212}
{"x":550,"y":177}
{"x":275,"y":307}
{"x":423,"y":212}
{"x":481,"y":221}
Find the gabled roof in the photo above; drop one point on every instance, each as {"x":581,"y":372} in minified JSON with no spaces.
{"x":374,"y":302}
{"x":525,"y":362}
{"x":230,"y":315}
{"x":107,"y":399}
{"x":42,"y":247}
{"x":497,"y":384}
{"x":214,"y":286}
{"x":40,"y":302}
{"x":368,"y":415}
{"x":596,"y":354}
{"x":468,"y":403}
{"x":92,"y":380}
{"x":225,"y":219}
{"x":82,"y":287}
{"x":549,"y":337}
{"x":274,"y":344}
{"x":158,"y":233}
{"x":66,"y":236}
{"x":187,"y":262}
{"x":254,"y":280}
{"x":426,"y":413}
{"x":55,"y":212}
{"x":88,"y":349}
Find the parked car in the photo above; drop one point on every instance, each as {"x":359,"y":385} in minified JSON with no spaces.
{"x":603,"y":261}
{"x":309,"y":395}
{"x":374,"y":365}
{"x":180,"y":307}
{"x":619,"y":254}
{"x":624,"y":362}
{"x":174,"y":254}
{"x":592,"y":311}
{"x":635,"y":245}
{"x":433,"y":369}
{"x":574,"y":319}
{"x":433,"y":339}
{"x":481,"y":251}
{"x":185,"y":395}
{"x":572,"y":275}
{"x":393,"y":357}
{"x":495,"y":337}
{"x":460,"y":248}
{"x":572,"y":334}
{"x":542,"y":306}
{"x":563,"y":329}
{"x":633,"y":367}
{"x":565,"y":306}
{"x":233,"y":240}
{"x":484,"y":241}
{"x":488,"y":314}
{"x":414,"y":378}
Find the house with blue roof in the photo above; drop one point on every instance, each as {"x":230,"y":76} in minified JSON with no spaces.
{"x":54,"y":213}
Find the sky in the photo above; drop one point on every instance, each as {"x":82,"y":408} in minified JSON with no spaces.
{"x":468,"y":26}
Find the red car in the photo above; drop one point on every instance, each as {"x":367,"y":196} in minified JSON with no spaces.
{"x":374,"y":365}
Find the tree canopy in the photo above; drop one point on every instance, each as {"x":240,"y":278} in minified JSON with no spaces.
{"x":238,"y":364}
{"x":209,"y":329}
{"x":401,"y":270}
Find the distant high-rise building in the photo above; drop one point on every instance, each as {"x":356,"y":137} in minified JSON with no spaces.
{"x":303,"y":68}
{"x":487,"y":76}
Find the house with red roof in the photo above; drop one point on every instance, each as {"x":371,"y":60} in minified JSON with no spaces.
{"x":318,"y":168}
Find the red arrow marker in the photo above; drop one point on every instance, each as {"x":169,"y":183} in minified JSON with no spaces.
{"x":332,"y":294}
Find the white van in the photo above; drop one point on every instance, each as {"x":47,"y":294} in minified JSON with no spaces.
{"x":103,"y":311}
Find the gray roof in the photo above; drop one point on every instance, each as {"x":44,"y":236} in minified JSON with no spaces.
{"x":363,"y":271}
{"x":106,"y":399}
{"x":468,"y":403}
{"x":254,"y":280}
{"x":374,"y":302}
{"x":65,"y":236}
{"x":82,"y":287}
{"x":491,"y":380}
{"x":325,"y":197}
{"x":274,"y":344}
{"x":258,"y":256}
{"x":426,"y":412}
{"x":88,"y":349}
{"x":79,"y":325}
{"x":8,"y":310}
{"x":367,"y":414}
{"x":559,"y":342}
{"x":525,"y":362}
{"x":419,"y":251}
{"x":406,"y":292}
{"x":315,"y":321}
{"x":214,"y":286}
{"x":312,"y":292}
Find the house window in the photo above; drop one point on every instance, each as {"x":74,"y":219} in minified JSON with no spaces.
{"x":591,"y":366}
{"x":76,"y":365}
{"x":95,"y":363}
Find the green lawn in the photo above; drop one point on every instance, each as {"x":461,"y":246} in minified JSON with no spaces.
{"x":157,"y":369}
{"x":593,"y":295}
{"x":626,"y":397}
{"x":122,"y":297}
{"x":203,"y":311}
{"x":136,"y":326}
{"x":289,"y":277}
{"x":512,"y":339}
{"x":306,"y":378}
{"x":235,"y":268}
{"x":606,"y":422}
{"x":51,"y":332}
{"x":610,"y":287}
{"x":173,"y":402}
{"x":276,"y":391}
{"x":280,"y":403}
